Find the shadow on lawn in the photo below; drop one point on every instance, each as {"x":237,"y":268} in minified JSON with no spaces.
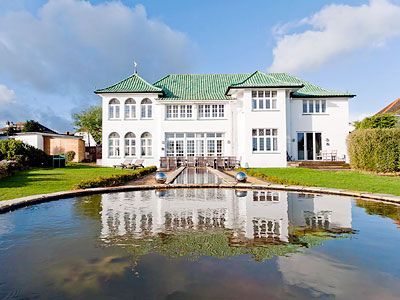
{"x":24,"y":178}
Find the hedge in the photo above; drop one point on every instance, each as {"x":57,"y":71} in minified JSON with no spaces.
{"x":115,"y":180}
{"x":25,"y":154}
{"x":375,"y":150}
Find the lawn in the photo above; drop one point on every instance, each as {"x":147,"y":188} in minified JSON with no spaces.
{"x":41,"y":181}
{"x":349,"y":180}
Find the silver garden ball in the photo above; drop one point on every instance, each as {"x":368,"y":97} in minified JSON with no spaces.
{"x":241,"y":177}
{"x":161,"y":177}
{"x":240,"y":193}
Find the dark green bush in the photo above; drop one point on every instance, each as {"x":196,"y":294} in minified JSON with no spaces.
{"x":69,"y":156}
{"x":25,"y":154}
{"x":378,"y":121}
{"x":375,"y":150}
{"x":115,"y":180}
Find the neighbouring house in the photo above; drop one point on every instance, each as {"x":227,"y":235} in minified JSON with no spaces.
{"x":392,"y":108}
{"x":49,"y":141}
{"x":262,"y":119}
{"x":92,"y":150}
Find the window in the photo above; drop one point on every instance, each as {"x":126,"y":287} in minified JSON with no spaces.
{"x":113,"y":145}
{"x":211,"y":111}
{"x":265,"y":140}
{"x":146,"y":144}
{"x":314,"y":106}
{"x":265,"y":196}
{"x":264,"y":100}
{"x":179,"y":112}
{"x":130,"y":144}
{"x":130,"y":109}
{"x":194,"y":144}
{"x":113,"y":109}
{"x":146,"y":109}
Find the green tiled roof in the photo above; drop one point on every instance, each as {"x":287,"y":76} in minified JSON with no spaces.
{"x":309,"y":89}
{"x":132,"y":84}
{"x":216,"y":86}
{"x":260,"y":79}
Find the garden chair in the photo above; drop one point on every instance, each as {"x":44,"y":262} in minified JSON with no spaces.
{"x":172,"y":163}
{"x":163,"y":163}
{"x":201,"y":161}
{"x":137,"y":164}
{"x":220,"y":163}
{"x":125,"y":164}
{"x":232,"y":162}
{"x":210,"y":161}
{"x":190,"y":162}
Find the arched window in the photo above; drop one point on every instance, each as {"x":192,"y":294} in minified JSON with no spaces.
{"x":113,"y":109}
{"x":113,"y":145}
{"x":146,"y":111}
{"x":130,"y":109}
{"x":145,"y":144}
{"x":130,"y":144}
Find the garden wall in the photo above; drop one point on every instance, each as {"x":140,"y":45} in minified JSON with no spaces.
{"x":375,"y":150}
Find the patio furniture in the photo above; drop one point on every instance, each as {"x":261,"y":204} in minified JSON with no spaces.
{"x":231,"y":164}
{"x":164,"y":162}
{"x":125,"y":164}
{"x":334,"y":155}
{"x":190,"y":161}
{"x":220,"y":162}
{"x":137,"y":164}
{"x":201,"y":161}
{"x":172,"y":163}
{"x":210,"y":161}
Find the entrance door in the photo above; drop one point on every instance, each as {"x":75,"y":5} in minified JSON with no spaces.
{"x":309,"y":145}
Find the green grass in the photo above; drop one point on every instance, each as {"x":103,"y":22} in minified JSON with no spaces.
{"x":349,"y":180}
{"x":41,"y":181}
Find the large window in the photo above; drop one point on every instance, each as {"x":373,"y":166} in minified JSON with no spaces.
{"x":265,"y":140}
{"x":130,"y":109}
{"x":179,"y":112}
{"x":194,"y":144}
{"x":314,"y":106}
{"x":146,"y":144}
{"x":130,"y":144}
{"x":264,"y":100}
{"x":211,"y":111}
{"x":113,"y":109}
{"x":146,"y":109}
{"x":113,"y":145}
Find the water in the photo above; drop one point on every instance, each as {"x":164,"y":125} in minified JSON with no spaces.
{"x":201,"y":244}
{"x":197,"y":176}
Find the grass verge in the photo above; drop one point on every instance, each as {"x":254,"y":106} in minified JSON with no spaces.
{"x":348,"y":180}
{"x":43,"y":181}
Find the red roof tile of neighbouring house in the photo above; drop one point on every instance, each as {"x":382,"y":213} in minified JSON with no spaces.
{"x":392,"y":108}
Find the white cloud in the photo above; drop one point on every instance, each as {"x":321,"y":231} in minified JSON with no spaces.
{"x":6,"y":95}
{"x":59,"y":54}
{"x":335,"y":30}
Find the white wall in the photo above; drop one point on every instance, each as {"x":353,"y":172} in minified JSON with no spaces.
{"x":334,"y":125}
{"x":35,"y":140}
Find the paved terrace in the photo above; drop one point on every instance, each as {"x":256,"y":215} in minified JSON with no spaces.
{"x":228,"y":181}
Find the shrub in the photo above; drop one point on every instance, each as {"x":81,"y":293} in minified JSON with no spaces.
{"x":7,"y":167}
{"x":25,"y":154}
{"x":115,"y":180}
{"x":69,"y":156}
{"x":375,"y":150}
{"x":378,"y":121}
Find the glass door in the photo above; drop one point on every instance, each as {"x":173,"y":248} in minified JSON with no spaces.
{"x":309,"y":145}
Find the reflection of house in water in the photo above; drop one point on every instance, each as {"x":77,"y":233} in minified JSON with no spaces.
{"x":319,"y":211}
{"x":255,"y":216}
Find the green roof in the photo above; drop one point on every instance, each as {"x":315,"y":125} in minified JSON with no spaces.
{"x":309,"y":89}
{"x":216,"y":86}
{"x":132,"y":84}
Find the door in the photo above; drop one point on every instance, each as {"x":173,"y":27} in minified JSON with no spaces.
{"x":309,"y":145}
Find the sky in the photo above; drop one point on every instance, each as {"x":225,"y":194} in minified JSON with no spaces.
{"x":55,"y":53}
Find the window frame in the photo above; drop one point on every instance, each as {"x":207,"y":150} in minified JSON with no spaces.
{"x":178,"y":111}
{"x":114,"y":109}
{"x":114,"y":145}
{"x":309,"y":106}
{"x":146,"y":109}
{"x":264,"y":140}
{"x":264,"y":100}
{"x":211,"y":111}
{"x":130,"y":144}
{"x":146,"y":144}
{"x":130,"y":108}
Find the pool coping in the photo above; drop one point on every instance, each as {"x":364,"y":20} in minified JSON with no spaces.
{"x":10,"y":205}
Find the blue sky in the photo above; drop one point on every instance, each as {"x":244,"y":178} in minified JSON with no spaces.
{"x":54,"y":53}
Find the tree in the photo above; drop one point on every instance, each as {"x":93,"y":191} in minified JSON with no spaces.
{"x":89,"y":120}
{"x":378,"y":121}
{"x":32,"y":126}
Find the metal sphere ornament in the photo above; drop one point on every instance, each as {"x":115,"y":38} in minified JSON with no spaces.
{"x":240,"y":193}
{"x":161,"y":193}
{"x":161,"y":177}
{"x":241,"y":177}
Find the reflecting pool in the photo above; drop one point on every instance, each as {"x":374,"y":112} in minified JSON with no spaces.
{"x":201,"y":244}
{"x":197,"y":176}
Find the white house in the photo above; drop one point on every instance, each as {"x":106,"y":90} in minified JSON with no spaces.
{"x":261,"y":119}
